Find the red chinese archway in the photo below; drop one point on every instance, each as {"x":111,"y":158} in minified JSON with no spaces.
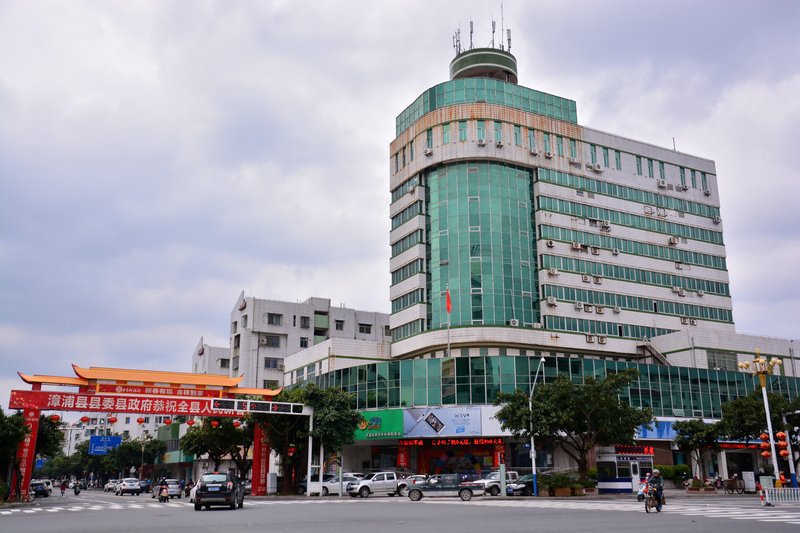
{"x":144,"y":392}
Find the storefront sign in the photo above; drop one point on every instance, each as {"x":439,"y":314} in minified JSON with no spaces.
{"x":662,"y":430}
{"x":442,"y":421}
{"x":737,"y":446}
{"x":453,"y":443}
{"x":402,"y":457}
{"x":634,"y":449}
{"x":382,"y":424}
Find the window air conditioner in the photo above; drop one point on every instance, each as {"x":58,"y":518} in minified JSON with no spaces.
{"x":281,"y":366}
{"x":551,"y":301}
{"x":662,"y":184}
{"x":481,"y":142}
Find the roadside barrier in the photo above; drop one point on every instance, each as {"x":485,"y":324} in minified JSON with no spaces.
{"x":770,"y":497}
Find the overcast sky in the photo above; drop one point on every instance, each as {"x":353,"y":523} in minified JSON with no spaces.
{"x":158,"y":157}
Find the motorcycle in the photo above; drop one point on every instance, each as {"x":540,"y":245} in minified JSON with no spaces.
{"x":163,"y":495}
{"x":642,"y":494}
{"x":76,"y":489}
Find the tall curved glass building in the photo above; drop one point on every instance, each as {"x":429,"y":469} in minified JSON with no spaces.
{"x":546,"y":233}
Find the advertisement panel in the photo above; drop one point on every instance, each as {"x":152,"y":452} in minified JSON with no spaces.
{"x":490,"y":425}
{"x":381,"y":424}
{"x":442,"y":421}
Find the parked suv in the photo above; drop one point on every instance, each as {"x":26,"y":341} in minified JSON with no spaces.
{"x":129,"y":485}
{"x":377,"y":483}
{"x":491,"y":483}
{"x":217,"y":488}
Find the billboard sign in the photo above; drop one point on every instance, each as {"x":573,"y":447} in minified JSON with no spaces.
{"x":442,"y":422}
{"x":101,"y":444}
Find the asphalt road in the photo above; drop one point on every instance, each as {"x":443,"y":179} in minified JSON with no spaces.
{"x":103,"y":512}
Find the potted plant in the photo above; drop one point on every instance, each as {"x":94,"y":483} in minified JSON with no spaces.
{"x":562,"y":485}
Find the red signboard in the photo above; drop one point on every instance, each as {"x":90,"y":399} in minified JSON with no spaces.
{"x":631,"y":449}
{"x":737,"y":446}
{"x":26,"y":450}
{"x":402,"y":457}
{"x":153,"y":390}
{"x":66,"y":401}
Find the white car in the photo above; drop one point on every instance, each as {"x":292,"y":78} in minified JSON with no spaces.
{"x":331,"y":486}
{"x":111,"y":486}
{"x":128,"y":485}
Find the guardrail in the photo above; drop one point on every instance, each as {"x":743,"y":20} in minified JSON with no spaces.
{"x":782,"y":495}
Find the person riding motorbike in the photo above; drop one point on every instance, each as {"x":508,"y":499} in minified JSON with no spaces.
{"x":63,"y":487}
{"x":656,"y":484}
{"x":163,"y":490}
{"x":642,"y":494}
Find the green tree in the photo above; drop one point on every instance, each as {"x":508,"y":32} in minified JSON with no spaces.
{"x":241,"y":450}
{"x":694,"y":436}
{"x":745,"y":418}
{"x":12,"y":432}
{"x":576,"y":417}
{"x":335,"y":422}
{"x":50,"y":438}
{"x":217,"y":442}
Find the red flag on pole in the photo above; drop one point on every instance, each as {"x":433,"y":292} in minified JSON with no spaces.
{"x":448,"y":304}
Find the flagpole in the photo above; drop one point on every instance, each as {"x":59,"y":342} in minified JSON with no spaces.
{"x":448,"y":308}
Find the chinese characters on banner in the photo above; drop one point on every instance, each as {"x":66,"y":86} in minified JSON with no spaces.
{"x":26,"y":452}
{"x":64,"y":401}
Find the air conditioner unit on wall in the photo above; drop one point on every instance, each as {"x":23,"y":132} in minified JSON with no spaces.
{"x":586,"y":278}
{"x":662,"y":184}
{"x":700,"y":292}
{"x":576,"y":245}
{"x":684,"y":320}
{"x":481,"y":142}
{"x":534,"y":151}
{"x":707,"y":192}
{"x":578,"y":305}
{"x":589,"y":338}
{"x":513,"y":322}
{"x":692,"y":322}
{"x":595,"y":250}
{"x":599,"y":309}
{"x":597,"y":167}
{"x":551,"y":301}
{"x":550,"y":244}
{"x":574,"y":161}
{"x":601,"y":339}
{"x":552,"y":272}
{"x":499,"y":144}
{"x":615,"y":251}
{"x":598,"y":280}
{"x":617,"y":309}
{"x":588,"y":308}
{"x":428,"y":151}
{"x":549,"y":155}
{"x":673,"y":240}
{"x":717,"y":220}
{"x":281,"y":366}
{"x":605,"y":224}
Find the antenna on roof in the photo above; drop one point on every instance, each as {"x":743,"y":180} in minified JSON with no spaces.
{"x":470,"y":34}
{"x":509,"y":40}
{"x":493,"y":27}
{"x":502,"y":25}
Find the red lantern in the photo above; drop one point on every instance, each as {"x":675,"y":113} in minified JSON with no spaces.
{"x":782,"y":444}
{"x":780,"y":435}
{"x":765,"y":445}
{"x":290,"y":451}
{"x":214,"y":423}
{"x":766,"y":455}
{"x":190,"y":422}
{"x":140,"y":420}
{"x":84,"y":419}
{"x":784,"y":453}
{"x":764,"y":436}
{"x":236,"y":423}
{"x":55,"y":418}
{"x":112,"y":419}
{"x":168,"y":421}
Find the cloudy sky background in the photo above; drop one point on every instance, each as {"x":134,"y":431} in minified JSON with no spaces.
{"x":157,"y":157}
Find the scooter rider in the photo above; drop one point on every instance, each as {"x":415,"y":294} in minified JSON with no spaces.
{"x":656,"y":484}
{"x":162,"y":487}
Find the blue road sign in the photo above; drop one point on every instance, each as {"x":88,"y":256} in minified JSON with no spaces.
{"x":101,"y":444}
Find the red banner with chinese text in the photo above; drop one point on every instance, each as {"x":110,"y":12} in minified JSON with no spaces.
{"x":67,"y":401}
{"x":26,"y":452}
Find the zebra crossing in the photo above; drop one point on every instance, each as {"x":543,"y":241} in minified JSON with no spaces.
{"x":680,"y":507}
{"x":685,"y":508}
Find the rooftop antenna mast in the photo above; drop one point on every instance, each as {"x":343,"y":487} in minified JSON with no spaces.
{"x":509,"y":40}
{"x":494,"y":24}
{"x":470,"y":34}
{"x":457,"y":41}
{"x":502,"y":25}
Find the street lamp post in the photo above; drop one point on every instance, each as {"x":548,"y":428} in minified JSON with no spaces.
{"x":533,"y":447}
{"x":761,"y":367}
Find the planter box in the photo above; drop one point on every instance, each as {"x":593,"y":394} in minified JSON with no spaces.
{"x":705,"y":491}
{"x":562,"y":491}
{"x":590,"y":491}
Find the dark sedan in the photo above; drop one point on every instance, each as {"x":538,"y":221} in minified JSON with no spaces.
{"x":521,"y":487}
{"x":146,"y":485}
{"x":218,"y":488}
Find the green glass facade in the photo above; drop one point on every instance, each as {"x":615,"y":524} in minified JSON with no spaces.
{"x":485,"y":90}
{"x":669,"y":390}
{"x":481,"y":244}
